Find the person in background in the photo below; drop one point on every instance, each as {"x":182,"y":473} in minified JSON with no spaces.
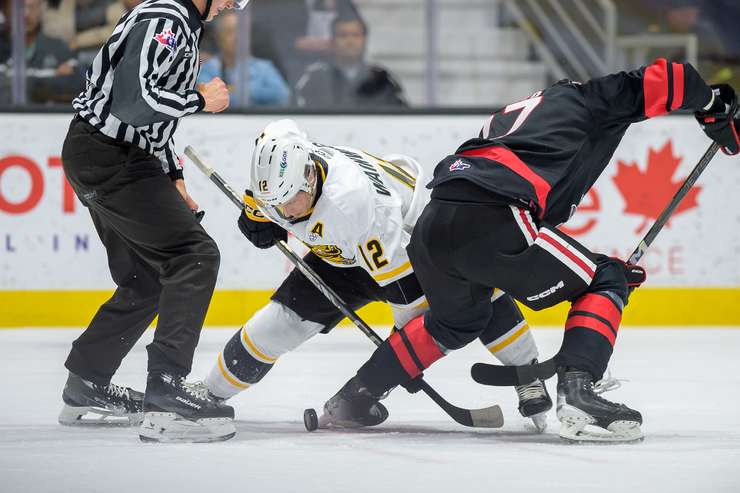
{"x":51,"y":67}
{"x":84,"y":24}
{"x":266,"y":86}
{"x":347,"y":80}
{"x":293,"y":34}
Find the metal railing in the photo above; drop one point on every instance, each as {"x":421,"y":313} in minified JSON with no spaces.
{"x":579,"y":38}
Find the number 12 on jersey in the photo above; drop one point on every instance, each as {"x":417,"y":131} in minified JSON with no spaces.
{"x":373,"y":250}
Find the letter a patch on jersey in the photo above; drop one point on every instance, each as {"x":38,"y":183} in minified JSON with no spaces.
{"x":316,"y":232}
{"x":167,"y":38}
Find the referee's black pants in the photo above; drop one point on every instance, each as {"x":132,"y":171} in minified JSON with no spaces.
{"x":160,"y":257}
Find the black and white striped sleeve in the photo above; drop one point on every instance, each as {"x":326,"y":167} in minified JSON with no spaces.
{"x":171,"y":160}
{"x":138,"y":97}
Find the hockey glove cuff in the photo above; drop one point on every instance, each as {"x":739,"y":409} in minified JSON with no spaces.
{"x":720,"y":121}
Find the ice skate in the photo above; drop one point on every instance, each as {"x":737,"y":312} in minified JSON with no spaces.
{"x":87,"y":403}
{"x":534,"y":402}
{"x":353,"y":407}
{"x":176,"y":411}
{"x":585,"y":416}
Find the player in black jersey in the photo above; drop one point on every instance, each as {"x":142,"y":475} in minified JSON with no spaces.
{"x":492,"y":222}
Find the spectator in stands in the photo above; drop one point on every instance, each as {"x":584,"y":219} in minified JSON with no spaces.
{"x":347,"y":80}
{"x":51,"y":67}
{"x":84,"y":24}
{"x":296,"y":33}
{"x":266,"y":85}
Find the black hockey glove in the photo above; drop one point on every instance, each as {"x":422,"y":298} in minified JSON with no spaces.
{"x":261,"y":234}
{"x":720,"y":122}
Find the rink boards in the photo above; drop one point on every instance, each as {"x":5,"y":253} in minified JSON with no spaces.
{"x":53,"y":268}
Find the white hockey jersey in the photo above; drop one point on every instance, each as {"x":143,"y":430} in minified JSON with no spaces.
{"x":364,"y":216}
{"x":365,"y":213}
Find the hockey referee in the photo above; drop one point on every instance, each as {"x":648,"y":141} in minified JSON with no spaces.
{"x":119,"y":157}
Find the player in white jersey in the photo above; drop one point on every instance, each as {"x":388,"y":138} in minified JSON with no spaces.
{"x":355,"y":212}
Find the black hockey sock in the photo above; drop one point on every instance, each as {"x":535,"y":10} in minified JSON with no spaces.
{"x":590,"y":333}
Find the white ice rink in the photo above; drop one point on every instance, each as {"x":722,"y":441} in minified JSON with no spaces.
{"x":686,"y":382}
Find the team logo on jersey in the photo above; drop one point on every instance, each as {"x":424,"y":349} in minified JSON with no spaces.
{"x":459,"y":165}
{"x":167,"y":38}
{"x":316,"y":232}
{"x":331,"y":253}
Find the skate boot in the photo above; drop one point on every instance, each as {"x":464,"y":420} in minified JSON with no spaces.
{"x":109,"y":405}
{"x":353,"y":407}
{"x":579,"y":406}
{"x":176,"y":411}
{"x":534,"y":402}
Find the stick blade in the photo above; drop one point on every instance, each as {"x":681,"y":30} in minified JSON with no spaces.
{"x":507,"y":376}
{"x":500,"y":376}
{"x":487,"y":417}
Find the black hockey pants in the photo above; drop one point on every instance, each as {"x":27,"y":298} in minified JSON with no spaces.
{"x":460,"y":251}
{"x":160,"y":257}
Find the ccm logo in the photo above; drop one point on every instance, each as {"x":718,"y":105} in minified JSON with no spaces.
{"x":547,"y":292}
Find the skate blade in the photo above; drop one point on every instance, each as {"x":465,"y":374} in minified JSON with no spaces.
{"x":99,"y":416}
{"x":581,"y":430}
{"x":173,"y":428}
{"x":540,"y":422}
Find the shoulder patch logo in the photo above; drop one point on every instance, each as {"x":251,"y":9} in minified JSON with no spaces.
{"x":317,"y":231}
{"x":167,"y":38}
{"x":459,"y":165}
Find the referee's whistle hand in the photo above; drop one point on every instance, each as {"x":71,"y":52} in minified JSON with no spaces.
{"x":216,"y":95}
{"x":180,"y":185}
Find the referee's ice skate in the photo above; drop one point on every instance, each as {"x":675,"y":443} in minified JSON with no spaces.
{"x":87,"y":403}
{"x":585,"y":416}
{"x":177,"y":411}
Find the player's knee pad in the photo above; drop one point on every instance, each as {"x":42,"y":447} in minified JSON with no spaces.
{"x":507,"y":335}
{"x":554,"y":268}
{"x":251,"y":352}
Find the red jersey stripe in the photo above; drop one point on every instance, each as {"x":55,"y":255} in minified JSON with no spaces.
{"x":507,"y":158}
{"x":655,"y":88}
{"x":678,"y":84}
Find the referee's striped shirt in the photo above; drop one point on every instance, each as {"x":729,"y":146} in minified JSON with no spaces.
{"x":141,"y":81}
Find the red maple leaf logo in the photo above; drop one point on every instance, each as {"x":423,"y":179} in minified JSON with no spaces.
{"x":648,"y":193}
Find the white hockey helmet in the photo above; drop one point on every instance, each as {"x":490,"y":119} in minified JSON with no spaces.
{"x":282,"y":166}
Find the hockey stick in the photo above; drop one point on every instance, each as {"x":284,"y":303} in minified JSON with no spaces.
{"x":488,"y":417}
{"x":488,"y":374}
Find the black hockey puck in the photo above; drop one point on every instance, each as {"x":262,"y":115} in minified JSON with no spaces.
{"x":311,"y":419}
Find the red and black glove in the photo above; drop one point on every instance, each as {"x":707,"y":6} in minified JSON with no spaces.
{"x":720,"y":122}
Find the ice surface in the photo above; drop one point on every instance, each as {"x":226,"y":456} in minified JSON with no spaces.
{"x":686,"y":382}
